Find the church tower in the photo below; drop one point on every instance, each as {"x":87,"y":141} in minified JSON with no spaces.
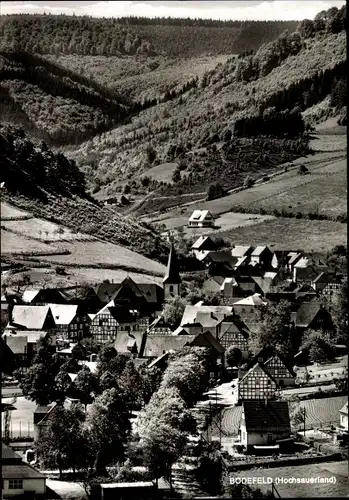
{"x":172,"y":279}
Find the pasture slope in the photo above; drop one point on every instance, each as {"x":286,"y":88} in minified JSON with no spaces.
{"x":323,"y":191}
{"x":46,"y":242}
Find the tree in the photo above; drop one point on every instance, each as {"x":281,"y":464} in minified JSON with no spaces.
{"x":319,"y":346}
{"x":131,"y":385}
{"x":209,"y":468}
{"x":302,"y":170}
{"x":248,"y":182}
{"x":108,"y":425}
{"x":339,"y":314}
{"x":86,"y":383}
{"x":109,"y":360}
{"x":342,"y":383}
{"x":176,"y":177}
{"x":63,"y":443}
{"x":233,"y":356}
{"x":173,"y":310}
{"x":188,"y":372}
{"x":164,"y":426}
{"x":274,"y":328}
{"x":62,"y":385}
{"x":151,"y":154}
{"x":215,"y":191}
{"x":38,"y":381}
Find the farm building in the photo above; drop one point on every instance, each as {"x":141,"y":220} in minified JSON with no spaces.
{"x":71,"y":322}
{"x":201,"y":218}
{"x":276,"y":365}
{"x":312,"y":315}
{"x":262,"y":256}
{"x":32,"y":318}
{"x":19,"y":478}
{"x":24,"y":344}
{"x":241,"y":251}
{"x":257,"y":383}
{"x":326,"y":283}
{"x":43,"y":297}
{"x":202,"y":245}
{"x":264,"y":423}
{"x":114,"y":318}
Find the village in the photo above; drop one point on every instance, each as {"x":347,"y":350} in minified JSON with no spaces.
{"x":275,"y":362}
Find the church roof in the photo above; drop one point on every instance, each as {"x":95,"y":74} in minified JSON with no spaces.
{"x":172,"y":271}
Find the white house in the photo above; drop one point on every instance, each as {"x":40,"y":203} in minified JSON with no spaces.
{"x":18,"y":477}
{"x":264,"y":423}
{"x":201,"y":218}
{"x":343,"y":412}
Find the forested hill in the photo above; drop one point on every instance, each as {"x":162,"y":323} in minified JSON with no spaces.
{"x":48,"y":34}
{"x":51,"y":187}
{"x":53,"y":103}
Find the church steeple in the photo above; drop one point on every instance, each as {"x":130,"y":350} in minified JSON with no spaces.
{"x":172,"y":279}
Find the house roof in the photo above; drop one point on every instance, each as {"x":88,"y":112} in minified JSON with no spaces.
{"x":302,"y":262}
{"x":199,"y":215}
{"x":242,"y":260}
{"x":203,"y":241}
{"x":234,"y":324}
{"x":306,"y":313}
{"x":21,"y":471}
{"x":262,"y":416}
{"x":156,"y":345}
{"x":158,"y":360}
{"x":266,"y":354}
{"x":153,"y":293}
{"x":252,"y":300}
{"x":29,"y":295}
{"x":17,"y":344}
{"x":294,"y":257}
{"x":206,"y":339}
{"x":209,"y":320}
{"x":344,"y":409}
{"x":190,"y":312}
{"x":31,"y":317}
{"x":7,"y":453}
{"x":42,"y":409}
{"x":241,"y":250}
{"x":172,"y":270}
{"x":221,"y":256}
{"x":63,"y":314}
{"x":125,"y":342}
{"x":259,"y":250}
{"x":256,"y":367}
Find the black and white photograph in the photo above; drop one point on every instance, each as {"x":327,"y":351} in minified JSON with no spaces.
{"x":174,"y":303}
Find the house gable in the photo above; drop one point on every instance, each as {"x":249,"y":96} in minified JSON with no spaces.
{"x":257,"y":383}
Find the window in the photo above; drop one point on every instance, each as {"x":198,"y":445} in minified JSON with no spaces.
{"x":171,"y":289}
{"x":15,"y":484}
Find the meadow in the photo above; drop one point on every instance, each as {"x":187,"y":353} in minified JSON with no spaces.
{"x":284,"y":234}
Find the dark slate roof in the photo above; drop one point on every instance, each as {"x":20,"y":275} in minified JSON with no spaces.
{"x":266,"y":354}
{"x":206,"y":339}
{"x":20,"y":471}
{"x":172,"y":271}
{"x":156,"y":345}
{"x":222,"y":256}
{"x":8,"y":454}
{"x":153,"y":293}
{"x":306,"y":313}
{"x":204,"y":242}
{"x":264,"y":416}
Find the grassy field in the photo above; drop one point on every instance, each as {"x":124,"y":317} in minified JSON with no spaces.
{"x":7,"y":210}
{"x":323,"y":189}
{"x":323,"y":470}
{"x":161,"y":172}
{"x":13,"y":243}
{"x":92,"y":253}
{"x":35,"y":235}
{"x":281,"y":233}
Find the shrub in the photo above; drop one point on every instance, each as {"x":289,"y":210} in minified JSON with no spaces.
{"x":302,"y":170}
{"x":248,"y":182}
